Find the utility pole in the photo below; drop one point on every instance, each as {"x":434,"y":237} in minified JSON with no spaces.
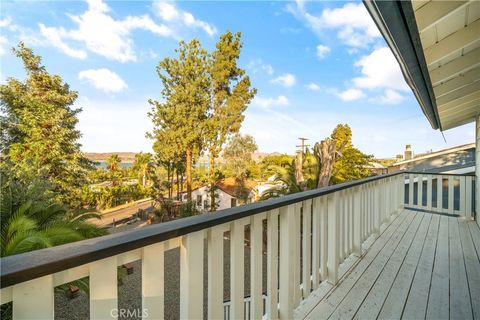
{"x":302,"y":145}
{"x":299,"y":164}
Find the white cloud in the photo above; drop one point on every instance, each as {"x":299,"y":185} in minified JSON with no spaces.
{"x":312,"y":86}
{"x":168,"y":11}
{"x":380,"y":69}
{"x":322,"y":51}
{"x":103,"y":79}
{"x":286,"y":80}
{"x":355,"y":26}
{"x":270,"y":102}
{"x":257,"y":64}
{"x":3,"y":45}
{"x":5,"y":22}
{"x":101,"y":33}
{"x":389,"y":97}
{"x":351,"y":95}
{"x":54,"y":37}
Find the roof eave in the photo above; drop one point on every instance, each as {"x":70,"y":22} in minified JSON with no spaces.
{"x":396,"y":22}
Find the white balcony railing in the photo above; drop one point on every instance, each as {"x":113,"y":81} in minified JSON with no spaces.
{"x":307,"y":237}
{"x":451,"y":194}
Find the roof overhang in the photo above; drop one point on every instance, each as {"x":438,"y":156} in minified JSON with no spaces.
{"x":437,"y":44}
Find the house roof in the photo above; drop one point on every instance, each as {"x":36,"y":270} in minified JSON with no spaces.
{"x":437,"y":153}
{"x":437,"y":45}
{"x":228,"y":185}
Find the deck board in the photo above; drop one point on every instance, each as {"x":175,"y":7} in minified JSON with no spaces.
{"x":377,"y":281}
{"x":416,"y":305}
{"x":395,"y":301}
{"x":330,"y":303}
{"x":422,"y":266}
{"x":472,"y":265}
{"x":460,"y":306}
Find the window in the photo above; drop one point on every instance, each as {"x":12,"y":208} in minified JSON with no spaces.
{"x":199,"y":200}
{"x":233,"y":202}
{"x":205,"y":204}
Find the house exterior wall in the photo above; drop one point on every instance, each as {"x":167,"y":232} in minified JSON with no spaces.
{"x":224,"y":200}
{"x":477,"y":170}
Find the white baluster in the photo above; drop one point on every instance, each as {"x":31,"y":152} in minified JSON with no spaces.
{"x":103,"y":289}
{"x":323,"y":237}
{"x":287,"y":261}
{"x":153,"y":280}
{"x":191,"y":276}
{"x":439,"y":193}
{"x":420,"y":191}
{"x":411,"y":182}
{"x":215,"y":272}
{"x":256,"y":249}
{"x":297,"y":294}
{"x":333,"y":238}
{"x":272,"y":264}
{"x":451,"y":185}
{"x":429,"y":192}
{"x":307,"y":258}
{"x":357,"y":222}
{"x":462,"y":196}
{"x":468,"y":197}
{"x":316,"y":242}
{"x":33,"y":299}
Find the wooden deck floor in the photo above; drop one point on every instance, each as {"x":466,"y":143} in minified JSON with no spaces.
{"x":422,"y":266}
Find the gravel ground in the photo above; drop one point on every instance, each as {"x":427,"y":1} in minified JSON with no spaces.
{"x":130,"y":295}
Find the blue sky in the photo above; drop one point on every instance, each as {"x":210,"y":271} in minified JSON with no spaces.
{"x":314,"y":64}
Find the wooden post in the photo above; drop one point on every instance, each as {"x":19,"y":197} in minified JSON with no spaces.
{"x":103,"y":289}
{"x":191,"y":276}
{"x":357,"y":222}
{"x":256,"y":246}
{"x":153,"y":295}
{"x":215,"y":273}
{"x":333,"y":238}
{"x":237,"y":251}
{"x":316,"y":242}
{"x":272,"y":265}
{"x":34,"y":299}
{"x":287,"y":252}
{"x":306,"y":247}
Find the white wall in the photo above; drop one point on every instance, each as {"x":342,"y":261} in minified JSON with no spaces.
{"x":477,"y":170}
{"x":223,"y":199}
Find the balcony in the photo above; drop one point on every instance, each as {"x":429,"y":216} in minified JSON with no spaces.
{"x":388,"y":246}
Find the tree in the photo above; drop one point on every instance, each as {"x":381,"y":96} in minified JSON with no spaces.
{"x":238,"y":155}
{"x":143,"y":166}
{"x":230,"y":94}
{"x":113,"y":163}
{"x":351,"y":165}
{"x":38,"y":134}
{"x":179,"y":120}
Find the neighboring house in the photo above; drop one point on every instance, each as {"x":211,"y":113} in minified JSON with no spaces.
{"x":459,"y":159}
{"x":376,"y":168}
{"x":270,"y":186}
{"x":225,"y":195}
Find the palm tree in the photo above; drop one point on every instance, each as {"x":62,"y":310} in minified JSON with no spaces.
{"x":143,"y":165}
{"x":113,"y":163}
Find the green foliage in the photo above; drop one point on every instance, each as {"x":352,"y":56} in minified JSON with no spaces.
{"x":238,"y":155}
{"x":351,"y":164}
{"x":31,"y":220}
{"x":38,"y":135}
{"x":143,"y":167}
{"x":188,"y":209}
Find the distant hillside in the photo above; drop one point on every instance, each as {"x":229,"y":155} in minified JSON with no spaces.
{"x":124,"y":156}
{"x":129,"y":157}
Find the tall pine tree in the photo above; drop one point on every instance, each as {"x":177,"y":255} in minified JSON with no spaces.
{"x":180,"y":119}
{"x":38,"y":134}
{"x":230,"y":94}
